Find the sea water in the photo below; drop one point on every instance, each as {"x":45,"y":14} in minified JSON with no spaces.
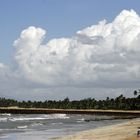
{"x":44,"y":127}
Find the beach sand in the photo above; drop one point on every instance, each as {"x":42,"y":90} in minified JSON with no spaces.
{"x":123,"y":131}
{"x":133,"y":138}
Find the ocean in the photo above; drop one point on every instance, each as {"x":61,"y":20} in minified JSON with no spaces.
{"x":44,"y":127}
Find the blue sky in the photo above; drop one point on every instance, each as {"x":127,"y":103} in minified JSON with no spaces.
{"x":59,"y":17}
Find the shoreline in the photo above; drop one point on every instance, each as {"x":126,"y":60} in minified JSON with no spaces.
{"x":123,"y":131}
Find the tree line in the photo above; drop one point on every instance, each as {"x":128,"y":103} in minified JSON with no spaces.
{"x":119,"y":102}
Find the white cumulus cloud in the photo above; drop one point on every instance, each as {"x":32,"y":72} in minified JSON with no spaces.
{"x":106,"y":54}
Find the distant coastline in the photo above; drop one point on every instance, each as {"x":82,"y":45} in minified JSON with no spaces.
{"x":123,"y":113}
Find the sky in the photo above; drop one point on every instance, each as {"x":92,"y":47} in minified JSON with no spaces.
{"x":52,"y":49}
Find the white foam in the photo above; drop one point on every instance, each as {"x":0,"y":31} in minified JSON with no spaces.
{"x":81,"y":120}
{"x":5,"y":114}
{"x":56,"y":116}
{"x":26,"y":119}
{"x":22,"y":127}
{"x":41,"y":117}
{"x":3,"y":119}
{"x":36,"y":124}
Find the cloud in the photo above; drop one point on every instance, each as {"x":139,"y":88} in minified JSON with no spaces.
{"x":102,"y":55}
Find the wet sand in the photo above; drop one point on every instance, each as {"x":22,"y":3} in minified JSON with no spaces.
{"x":123,"y":131}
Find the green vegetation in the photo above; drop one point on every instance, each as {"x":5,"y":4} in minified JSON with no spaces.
{"x":120,"y":102}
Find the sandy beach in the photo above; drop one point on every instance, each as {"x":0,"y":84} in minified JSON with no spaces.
{"x":123,"y":131}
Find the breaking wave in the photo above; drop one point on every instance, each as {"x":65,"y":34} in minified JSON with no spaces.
{"x":22,"y":127}
{"x":3,"y":119}
{"x":38,"y":117}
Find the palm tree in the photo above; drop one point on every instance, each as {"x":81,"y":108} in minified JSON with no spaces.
{"x":135,"y":93}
